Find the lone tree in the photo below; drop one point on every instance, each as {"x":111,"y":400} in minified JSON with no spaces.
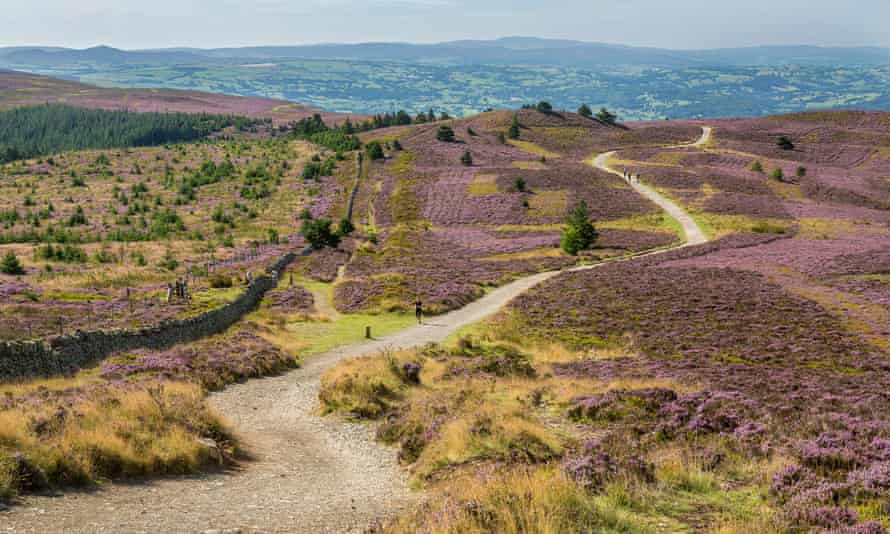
{"x":606,"y":116}
{"x":580,"y":234}
{"x":514,"y":131}
{"x":375,"y":150}
{"x":445,"y":134}
{"x":467,"y":159}
{"x":544,"y":107}
{"x":520,"y":184}
{"x":785,"y":143}
{"x":11,"y":264}
{"x":585,"y":111}
{"x":318,"y":233}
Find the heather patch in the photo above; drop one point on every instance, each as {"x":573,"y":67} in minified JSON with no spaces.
{"x":212,"y":363}
{"x":745,"y":204}
{"x":715,"y":313}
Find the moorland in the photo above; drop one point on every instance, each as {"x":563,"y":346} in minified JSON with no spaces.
{"x":735,"y":385}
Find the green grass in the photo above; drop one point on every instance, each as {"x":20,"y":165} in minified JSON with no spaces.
{"x":330,"y":329}
{"x":323,"y":336}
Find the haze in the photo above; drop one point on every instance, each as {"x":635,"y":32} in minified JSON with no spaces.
{"x":215,"y":23}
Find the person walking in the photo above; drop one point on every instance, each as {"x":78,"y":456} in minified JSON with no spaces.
{"x":418,"y":310}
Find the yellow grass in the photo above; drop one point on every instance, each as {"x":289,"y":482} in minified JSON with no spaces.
{"x":547,"y":252}
{"x":533,"y":148}
{"x":516,"y":501}
{"x":549,"y":203}
{"x":483,"y":184}
{"x":116,"y":433}
{"x":530,"y":165}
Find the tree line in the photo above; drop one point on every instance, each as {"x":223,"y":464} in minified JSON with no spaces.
{"x":35,"y":131}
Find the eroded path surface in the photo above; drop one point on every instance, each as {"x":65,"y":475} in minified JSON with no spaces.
{"x":311,"y":474}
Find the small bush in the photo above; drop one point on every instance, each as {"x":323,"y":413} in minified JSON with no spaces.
{"x":467,"y":159}
{"x":11,"y":264}
{"x":445,"y":134}
{"x":785,"y":143}
{"x":220,"y":281}
{"x":375,"y":150}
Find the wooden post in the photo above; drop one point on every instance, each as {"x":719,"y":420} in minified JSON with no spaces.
{"x":368,"y":332}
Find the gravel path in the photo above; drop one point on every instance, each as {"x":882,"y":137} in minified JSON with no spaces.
{"x":694,"y":234}
{"x":310,"y":474}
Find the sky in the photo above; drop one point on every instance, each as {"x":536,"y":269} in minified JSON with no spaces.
{"x":678,"y":24}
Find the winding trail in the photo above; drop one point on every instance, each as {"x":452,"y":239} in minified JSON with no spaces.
{"x":310,"y":474}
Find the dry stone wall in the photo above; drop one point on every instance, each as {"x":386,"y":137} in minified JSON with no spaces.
{"x":67,"y":354}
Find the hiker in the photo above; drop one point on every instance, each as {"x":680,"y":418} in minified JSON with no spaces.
{"x":418,"y":310}
{"x":169,"y":292}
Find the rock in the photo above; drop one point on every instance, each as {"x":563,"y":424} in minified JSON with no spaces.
{"x":212,"y":449}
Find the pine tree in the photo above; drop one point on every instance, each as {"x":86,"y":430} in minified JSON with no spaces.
{"x":515,"y":129}
{"x":606,"y":116}
{"x":11,"y":264}
{"x":580,"y":233}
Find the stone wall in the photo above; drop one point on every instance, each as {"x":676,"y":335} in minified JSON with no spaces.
{"x":67,"y":354}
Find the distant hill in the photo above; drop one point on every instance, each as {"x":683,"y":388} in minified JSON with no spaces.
{"x":19,"y":89}
{"x":509,"y":50}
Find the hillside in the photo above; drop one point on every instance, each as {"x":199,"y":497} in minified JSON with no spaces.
{"x":736,"y":385}
{"x":467,"y":77}
{"x":504,"y":51}
{"x":19,"y":89}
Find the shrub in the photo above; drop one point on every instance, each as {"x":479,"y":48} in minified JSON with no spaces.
{"x":801,"y":172}
{"x":467,"y":159}
{"x":544,"y":107}
{"x":220,"y":281}
{"x":11,"y":264}
{"x":273,"y":237}
{"x":169,"y":262}
{"x":78,"y":218}
{"x":756,"y":166}
{"x":375,"y":150}
{"x":345,"y":227}
{"x":318,"y":233}
{"x":585,"y":111}
{"x":778,"y":175}
{"x":785,"y":143}
{"x":445,"y":134}
{"x":520,"y":184}
{"x":605,"y":116}
{"x":515,"y":129}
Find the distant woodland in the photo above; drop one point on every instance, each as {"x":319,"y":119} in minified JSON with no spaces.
{"x":40,"y":130}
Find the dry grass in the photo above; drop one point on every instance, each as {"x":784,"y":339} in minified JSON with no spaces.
{"x":530,"y":165}
{"x":524,"y":500}
{"x":547,"y":252}
{"x":366,"y":387}
{"x":532,"y":148}
{"x":549,"y":203}
{"x":111,"y":431}
{"x":483,"y":184}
